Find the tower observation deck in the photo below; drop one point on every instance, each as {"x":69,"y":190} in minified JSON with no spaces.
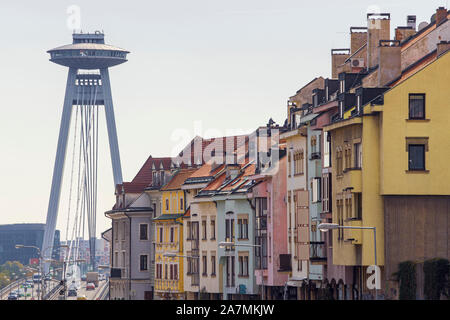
{"x":88,"y":88}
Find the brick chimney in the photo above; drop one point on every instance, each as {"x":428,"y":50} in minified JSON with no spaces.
{"x":402,"y":33}
{"x":338,"y":56}
{"x":378,"y":28}
{"x":358,"y":37}
{"x":441,"y":15}
{"x":389,"y":61}
{"x":442,"y":47}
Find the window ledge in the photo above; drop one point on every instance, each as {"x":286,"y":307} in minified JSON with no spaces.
{"x":417,"y":171}
{"x":417,"y":120}
{"x":298,"y":174}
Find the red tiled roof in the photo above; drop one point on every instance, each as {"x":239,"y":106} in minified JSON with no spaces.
{"x":178,"y":179}
{"x":144,"y":175}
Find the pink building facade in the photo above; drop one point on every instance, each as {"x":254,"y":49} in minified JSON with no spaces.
{"x":271,"y":230}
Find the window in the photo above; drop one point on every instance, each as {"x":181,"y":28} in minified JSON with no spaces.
{"x":204,"y":230}
{"x":165,"y":271}
{"x":229,"y":230}
{"x":189,"y":230}
{"x":339,"y":164}
{"x":416,"y":157}
{"x":243,"y":266}
{"x":167,"y":204}
{"x":315,"y":187}
{"x":358,"y":155}
{"x":171,"y":234}
{"x":144,"y":262}
{"x":298,"y":162}
{"x":171,"y":272}
{"x":348,"y":156}
{"x":340,"y":217}
{"x":161,"y":235}
{"x":181,"y":204}
{"x":143,"y":231}
{"x":416,"y":106}
{"x":159,"y":271}
{"x":326,"y":192}
{"x":358,"y":205}
{"x":175,"y":271}
{"x":230,"y":271}
{"x":243,"y":228}
{"x":213,"y":265}
{"x":154,"y":210}
{"x":213,"y":229}
{"x":205,"y":265}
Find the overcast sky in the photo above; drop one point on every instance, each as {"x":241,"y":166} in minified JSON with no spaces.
{"x":207,"y":65}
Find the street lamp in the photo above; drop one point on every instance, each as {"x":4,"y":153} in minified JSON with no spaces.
{"x":324,"y":227}
{"x":224,"y":244}
{"x":175,"y":255}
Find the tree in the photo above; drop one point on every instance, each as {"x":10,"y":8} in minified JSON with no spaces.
{"x":406,"y":275}
{"x":436,"y":272}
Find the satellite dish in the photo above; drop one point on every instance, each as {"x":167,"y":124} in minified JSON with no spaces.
{"x":423,"y":25}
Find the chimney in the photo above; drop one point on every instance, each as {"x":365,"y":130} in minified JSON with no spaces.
{"x":338,"y":56}
{"x":358,"y":37}
{"x":402,"y":33}
{"x":441,"y":15}
{"x":411,"y":22}
{"x":442,"y":47}
{"x":389,"y":61}
{"x":378,"y":28}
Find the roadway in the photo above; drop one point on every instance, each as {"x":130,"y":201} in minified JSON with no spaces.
{"x":34,"y":293}
{"x":90,"y":294}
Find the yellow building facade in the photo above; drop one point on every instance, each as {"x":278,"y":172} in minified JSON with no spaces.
{"x":169,"y":270}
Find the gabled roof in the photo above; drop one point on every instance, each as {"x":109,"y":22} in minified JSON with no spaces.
{"x":144,"y":175}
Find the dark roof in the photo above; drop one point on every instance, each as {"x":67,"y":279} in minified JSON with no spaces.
{"x":168,"y":216}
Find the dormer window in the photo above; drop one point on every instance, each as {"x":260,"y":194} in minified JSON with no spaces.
{"x":342,"y":84}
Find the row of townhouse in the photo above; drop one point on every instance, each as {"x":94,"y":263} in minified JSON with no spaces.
{"x":366,"y":148}
{"x":238,"y":217}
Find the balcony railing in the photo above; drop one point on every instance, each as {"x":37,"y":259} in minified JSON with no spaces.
{"x":166,"y":285}
{"x":317,"y":252}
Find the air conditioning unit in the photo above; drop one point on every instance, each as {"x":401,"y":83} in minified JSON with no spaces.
{"x":357,"y":62}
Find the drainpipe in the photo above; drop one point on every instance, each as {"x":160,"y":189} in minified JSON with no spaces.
{"x":129,"y":258}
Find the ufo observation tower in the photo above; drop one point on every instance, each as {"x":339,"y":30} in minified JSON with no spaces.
{"x":88,"y":88}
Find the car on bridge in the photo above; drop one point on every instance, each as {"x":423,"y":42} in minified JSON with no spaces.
{"x":82,"y":297}
{"x":72,"y":292}
{"x":90,"y":286}
{"x":13,"y":296}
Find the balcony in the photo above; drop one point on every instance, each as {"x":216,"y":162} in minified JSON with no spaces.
{"x":285,"y":263}
{"x":166,"y":285}
{"x":317,"y":252}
